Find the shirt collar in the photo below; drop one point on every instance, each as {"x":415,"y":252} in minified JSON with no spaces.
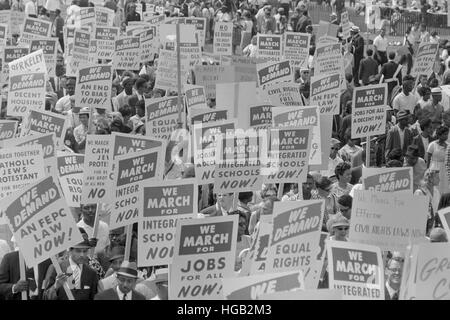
{"x":73,"y":265}
{"x":121,"y":294}
{"x":390,"y":289}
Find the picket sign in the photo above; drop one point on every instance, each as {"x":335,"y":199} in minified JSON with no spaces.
{"x":22,"y":273}
{"x":129,"y":232}
{"x":59,"y":271}
{"x":95,"y":231}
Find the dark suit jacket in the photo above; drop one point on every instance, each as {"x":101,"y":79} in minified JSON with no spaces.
{"x":356,"y":174}
{"x":111,"y":294}
{"x":10,"y":274}
{"x":88,"y":284}
{"x":417,"y":140}
{"x":368,"y":67}
{"x":393,"y":140}
{"x":212,"y":211}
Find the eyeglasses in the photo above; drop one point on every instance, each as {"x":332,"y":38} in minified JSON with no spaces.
{"x":395,"y":270}
{"x":342,"y":228}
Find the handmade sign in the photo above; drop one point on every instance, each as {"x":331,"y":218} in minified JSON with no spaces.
{"x":8,"y":129}
{"x":19,"y":167}
{"x":106,"y":39}
{"x":356,"y":269}
{"x":252,"y":287}
{"x":326,"y":93}
{"x":269,"y":47}
{"x":163,"y":204}
{"x":424,"y":59}
{"x":70,"y":174}
{"x":369,"y":110}
{"x":204,"y":254}
{"x":296,"y":48}
{"x":328,"y":59}
{"x":388,"y":220}
{"x":40,"y":221}
{"x":34,"y":29}
{"x":127,"y":55}
{"x":93,"y":88}
{"x":50,"y":49}
{"x":388,"y":179}
{"x":223,"y":33}
{"x":282,"y":94}
{"x":195,"y":97}
{"x":26,"y":91}
{"x":161,"y":116}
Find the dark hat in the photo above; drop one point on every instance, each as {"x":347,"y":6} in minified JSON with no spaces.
{"x":85,"y":243}
{"x":413,"y":151}
{"x":128,"y":269}
{"x":117,"y":253}
{"x":402,"y":115}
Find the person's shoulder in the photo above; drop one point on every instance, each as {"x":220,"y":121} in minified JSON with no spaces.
{"x":11,"y":256}
{"x":138,"y":296}
{"x":108,"y":294}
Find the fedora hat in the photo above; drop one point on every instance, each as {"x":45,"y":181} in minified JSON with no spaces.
{"x":128,"y":269}
{"x":402,"y":115}
{"x":117,"y":253}
{"x":161,"y":275}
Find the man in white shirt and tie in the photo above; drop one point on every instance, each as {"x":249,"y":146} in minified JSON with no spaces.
{"x":87,"y":223}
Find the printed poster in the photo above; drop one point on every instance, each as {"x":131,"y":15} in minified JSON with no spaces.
{"x":127,"y":54}
{"x":282,"y":94}
{"x":70,"y":174}
{"x":424,"y":59}
{"x":388,"y":179}
{"x":33,"y":29}
{"x":93,"y":88}
{"x":161,"y":117}
{"x":269,"y":47}
{"x":273,"y":72}
{"x":8,"y":129}
{"x":50,"y":49}
{"x":328,"y":59}
{"x":296,"y":48}
{"x":326,"y":93}
{"x":223,"y":33}
{"x":106,"y":41}
{"x":26,"y":91}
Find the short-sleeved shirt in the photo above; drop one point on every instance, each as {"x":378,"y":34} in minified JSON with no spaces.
{"x":403,"y":102}
{"x":381,"y":43}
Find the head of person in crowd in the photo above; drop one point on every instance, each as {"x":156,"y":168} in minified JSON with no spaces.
{"x":242,"y":224}
{"x":127,"y":112}
{"x":408,"y":84}
{"x":423,"y":80}
{"x":436,"y":94}
{"x":225,"y":200}
{"x":84,"y":116}
{"x":433,"y":83}
{"x":88,"y":213}
{"x":127,"y":84}
{"x":269,"y":191}
{"x":343,"y":172}
{"x":245,"y":197}
{"x":324,"y":187}
{"x":391,"y":56}
{"x":425,"y":93}
{"x":115,"y":236}
{"x":335,"y":143}
{"x":338,"y":226}
{"x":140,"y":108}
{"x":268,"y":10}
{"x":394,"y":164}
{"x":141,"y":86}
{"x":308,"y":186}
{"x":132,"y":101}
{"x":445,"y":118}
{"x":102,"y":127}
{"x":394,"y":269}
{"x":117,"y":256}
{"x":333,"y":16}
{"x":161,"y":282}
{"x":309,"y":29}
{"x":79,"y":252}
{"x":369,"y":52}
{"x":127,"y":276}
{"x":438,"y":235}
{"x":345,"y":205}
{"x":403,"y":118}
{"x":70,"y":86}
{"x":430,"y":179}
{"x":442,"y":134}
{"x":354,"y":30}
{"x":426,"y":127}
{"x":412,"y":155}
{"x":267,"y":206}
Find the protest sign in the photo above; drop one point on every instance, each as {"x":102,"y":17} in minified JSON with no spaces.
{"x":326,"y":93}
{"x":326,"y":124}
{"x":388,"y":220}
{"x":298,"y":117}
{"x":40,"y":221}
{"x":208,"y":115}
{"x":288,"y":155}
{"x":168,"y":33}
{"x":25,"y":64}
{"x":328,"y":59}
{"x":3,"y":35}
{"x":104,"y":17}
{"x":161,"y":117}
{"x":96,"y":168}
{"x":433,"y":273}
{"x":296,"y":48}
{"x":46,"y":141}
{"x":80,"y":51}
{"x":8,"y":129}
{"x":70,"y":174}
{"x":40,"y":121}
{"x":319,"y":294}
{"x":444,"y":215}
{"x":223,"y":33}
{"x":200,"y":28}
{"x":388,"y":179}
{"x":19,"y":167}
{"x":34,"y":29}
{"x":148,"y":45}
{"x":190,"y":55}
{"x":345,"y":23}
{"x":252,"y":287}
{"x":127,"y":54}
{"x":369,"y":111}
{"x":204,"y":254}
{"x":93,"y":88}
{"x":356,"y":269}
{"x":240,"y":157}
{"x":269,"y":47}
{"x":167,"y":72}
{"x":195,"y":97}
{"x":255,"y":116}
{"x":262,"y":241}
{"x":236,"y":97}
{"x":50,"y":49}
{"x":122,"y":144}
{"x":273,"y":72}
{"x":295,"y":236}
{"x":424,"y":59}
{"x":205,"y":147}
{"x":26,"y":91}
{"x":130,"y":171}
{"x":163,"y":204}
{"x":106,"y":41}
{"x":210,"y":75}
{"x":10,"y":54}
{"x":86,"y":17}
{"x":282,"y":94}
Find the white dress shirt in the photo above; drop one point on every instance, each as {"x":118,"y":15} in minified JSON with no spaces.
{"x":73,"y":266}
{"x":121,"y":294}
{"x":102,"y":234}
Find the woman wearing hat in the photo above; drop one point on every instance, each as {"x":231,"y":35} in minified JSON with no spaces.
{"x":437,"y":151}
{"x":324,"y":187}
{"x":338,"y":227}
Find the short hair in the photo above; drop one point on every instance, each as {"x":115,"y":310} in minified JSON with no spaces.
{"x":341,"y":168}
{"x":408,"y":77}
{"x":433,"y":83}
{"x":324,"y":183}
{"x":424,"y":91}
{"x":244,"y":196}
{"x":441,"y":130}
{"x":394,"y":164}
{"x":425,"y":123}
{"x":369,"y":52}
{"x":133,"y":100}
{"x":345,"y":200}
{"x":126,"y":111}
{"x":395,"y":154}
{"x":139,"y":82}
{"x":391,"y":55}
{"x":309,"y":176}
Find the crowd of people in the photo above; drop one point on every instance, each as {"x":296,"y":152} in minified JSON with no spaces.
{"x":417,"y":136}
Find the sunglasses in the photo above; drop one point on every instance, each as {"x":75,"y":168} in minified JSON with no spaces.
{"x":342,"y":228}
{"x":333,"y":148}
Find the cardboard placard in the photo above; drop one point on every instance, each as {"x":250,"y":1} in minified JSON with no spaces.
{"x":130,"y":172}
{"x":93,"y":88}
{"x":96,"y":169}
{"x":269,"y":47}
{"x":195,"y":97}
{"x":296,"y":48}
{"x":369,"y":110}
{"x":40,"y":221}
{"x":328,"y":59}
{"x":50,"y":49}
{"x":127,"y":54}
{"x":282,"y":94}
{"x":273,"y":72}
{"x":356,"y":269}
{"x":388,"y":179}
{"x":26,"y":91}
{"x":161,"y":117}
{"x":70,"y":174}
{"x":424,"y":59}
{"x":204,"y":254}
{"x":33,"y":29}
{"x":326,"y":93}
{"x":106,"y":40}
{"x":163,"y":204}
{"x":19,"y":167}
{"x":8,"y":129}
{"x":388,"y":220}
{"x":252,"y":287}
{"x":223,"y":33}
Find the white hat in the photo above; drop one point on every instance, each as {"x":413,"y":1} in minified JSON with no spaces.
{"x":354,"y":29}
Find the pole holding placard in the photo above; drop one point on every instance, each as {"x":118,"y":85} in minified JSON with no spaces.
{"x":22,"y":273}
{"x":59,"y":271}
{"x":129,"y":233}
{"x":179,"y":98}
{"x":368,"y":152}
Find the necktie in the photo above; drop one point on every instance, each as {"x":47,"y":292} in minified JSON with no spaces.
{"x":124,"y":297}
{"x":395,"y":296}
{"x":76,"y":277}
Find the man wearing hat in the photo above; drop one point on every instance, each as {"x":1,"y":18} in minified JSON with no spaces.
{"x":127,"y":85}
{"x":435,"y":109}
{"x":419,"y":166}
{"x":161,"y":282}
{"x":357,"y":50}
{"x":304,"y":19}
{"x":127,"y":275}
{"x":110,"y":281}
{"x":399,"y":136}
{"x":81,"y":279}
